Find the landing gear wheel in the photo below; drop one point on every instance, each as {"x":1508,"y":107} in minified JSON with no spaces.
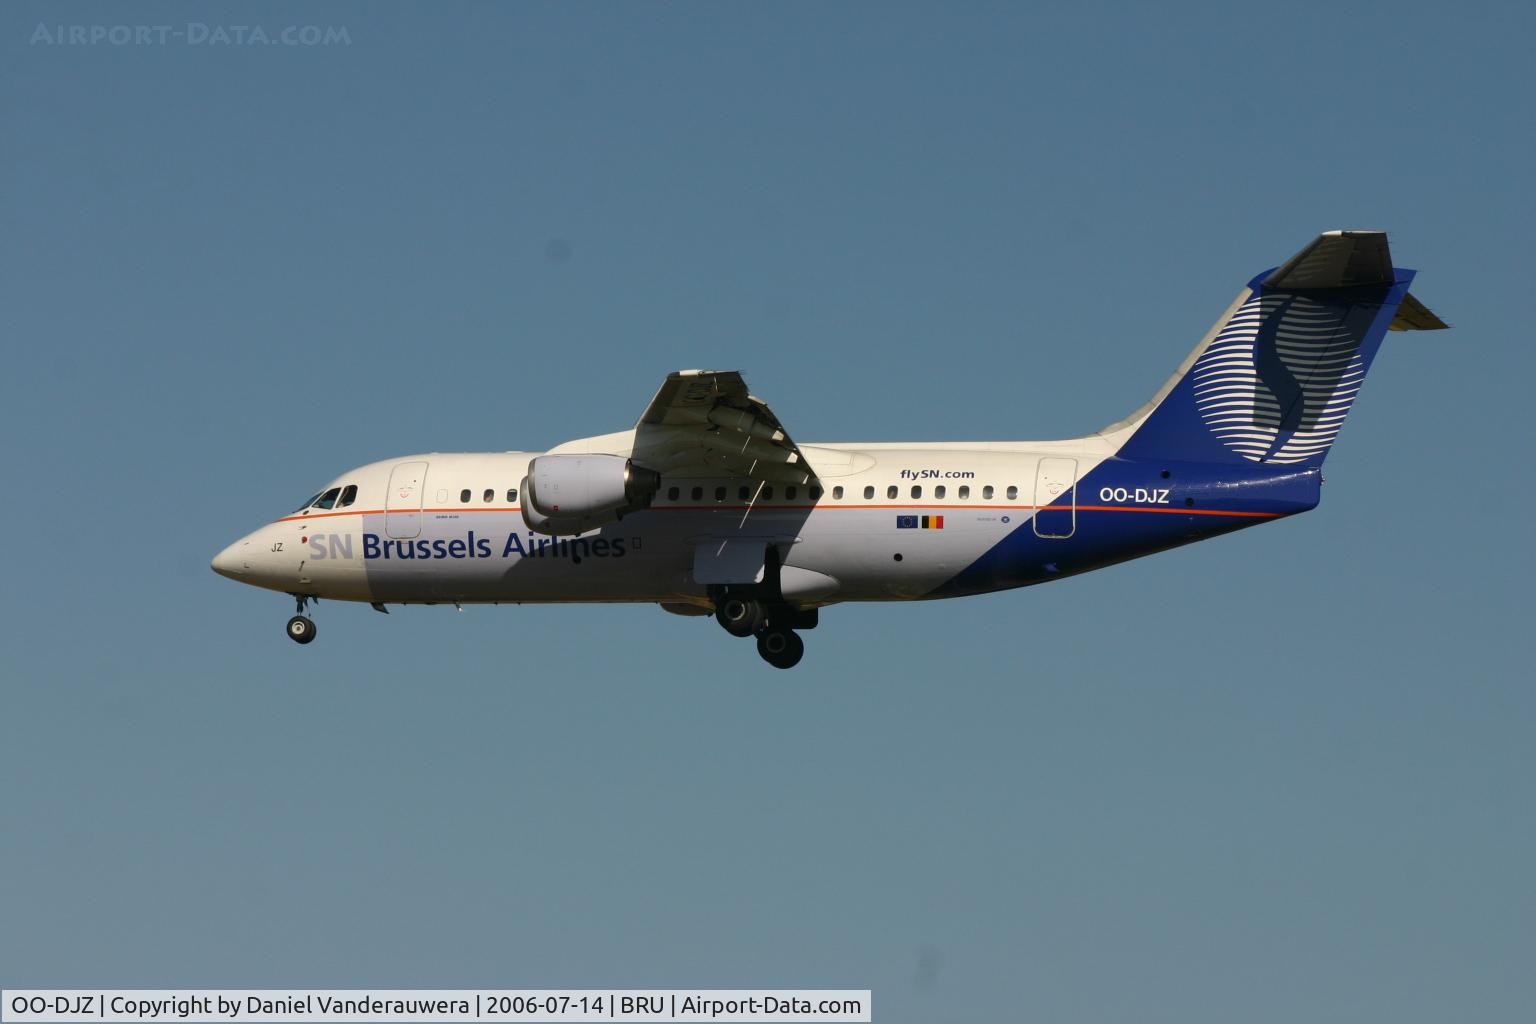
{"x":781,"y":648}
{"x":301,"y":630}
{"x":739,"y":616}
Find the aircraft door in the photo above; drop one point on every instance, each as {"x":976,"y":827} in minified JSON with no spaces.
{"x":1056,"y":498}
{"x":402,"y":504}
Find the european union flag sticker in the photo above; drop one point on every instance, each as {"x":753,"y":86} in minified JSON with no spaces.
{"x":906,"y":522}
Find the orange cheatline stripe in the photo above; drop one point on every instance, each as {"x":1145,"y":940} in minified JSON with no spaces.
{"x":305,"y":517}
{"x":1172,"y":510}
{"x":379,"y":511}
{"x":938,"y":509}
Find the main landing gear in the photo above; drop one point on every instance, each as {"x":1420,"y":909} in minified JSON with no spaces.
{"x":780,"y":647}
{"x":301,"y":629}
{"x":773,"y":624}
{"x":740,"y":616}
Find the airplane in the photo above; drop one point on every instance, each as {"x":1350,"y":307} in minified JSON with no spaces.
{"x":708,"y":507}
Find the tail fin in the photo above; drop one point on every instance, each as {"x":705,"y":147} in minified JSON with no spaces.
{"x":1275,"y":377}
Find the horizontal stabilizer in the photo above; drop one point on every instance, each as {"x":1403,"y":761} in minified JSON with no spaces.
{"x":1413,"y":315}
{"x":1337,"y":259}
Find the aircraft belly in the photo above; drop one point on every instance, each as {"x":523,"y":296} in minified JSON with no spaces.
{"x":859,"y":547}
{"x":492,"y":556}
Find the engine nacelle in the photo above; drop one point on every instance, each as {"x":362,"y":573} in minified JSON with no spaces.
{"x":570,"y":494}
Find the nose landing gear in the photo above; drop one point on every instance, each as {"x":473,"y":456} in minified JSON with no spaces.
{"x":301,"y":629}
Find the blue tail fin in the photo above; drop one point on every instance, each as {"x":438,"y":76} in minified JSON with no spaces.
{"x":1274,"y":379}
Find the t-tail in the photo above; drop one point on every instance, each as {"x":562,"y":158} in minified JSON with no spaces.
{"x":1273,"y":380}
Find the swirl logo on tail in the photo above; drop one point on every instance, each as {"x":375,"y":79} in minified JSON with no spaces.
{"x":1277,"y":381}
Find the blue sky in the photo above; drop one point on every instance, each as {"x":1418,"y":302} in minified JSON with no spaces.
{"x":1283,"y":775}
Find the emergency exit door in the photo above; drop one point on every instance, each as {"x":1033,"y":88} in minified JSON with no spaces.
{"x":402,"y":505}
{"x":1056,"y":498}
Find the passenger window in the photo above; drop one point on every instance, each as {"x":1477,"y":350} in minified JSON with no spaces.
{"x":672,"y":493}
{"x":464,"y":495}
{"x":938,"y":492}
{"x":869,"y":493}
{"x":965,"y":492}
{"x":744,"y":493}
{"x":790,"y":493}
{"x":697,"y":494}
{"x":816,"y":493}
{"x":511,"y":494}
{"x":490,"y":495}
{"x":986,"y":492}
{"x":328,"y":499}
{"x":917,"y":491}
{"x":890,"y":492}
{"x":837,"y":493}
{"x":348,"y":496}
{"x":767,"y":493}
{"x":1013,"y":492}
{"x":719,"y":493}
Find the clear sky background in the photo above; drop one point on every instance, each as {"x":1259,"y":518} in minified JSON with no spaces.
{"x":1283,"y":775}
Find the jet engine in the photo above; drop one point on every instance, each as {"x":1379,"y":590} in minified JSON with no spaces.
{"x":569,"y":494}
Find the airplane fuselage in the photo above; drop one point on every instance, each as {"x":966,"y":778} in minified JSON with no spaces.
{"x":884,"y":522}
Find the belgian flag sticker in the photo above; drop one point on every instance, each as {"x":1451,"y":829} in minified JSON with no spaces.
{"x":919,"y":522}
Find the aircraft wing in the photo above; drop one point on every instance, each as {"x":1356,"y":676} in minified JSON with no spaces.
{"x":706,"y":421}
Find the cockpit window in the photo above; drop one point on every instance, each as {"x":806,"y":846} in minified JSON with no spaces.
{"x":328,"y":499}
{"x":307,"y":502}
{"x":348,"y":496}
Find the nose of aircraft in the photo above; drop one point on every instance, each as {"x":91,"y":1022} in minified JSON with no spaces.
{"x":232,"y":561}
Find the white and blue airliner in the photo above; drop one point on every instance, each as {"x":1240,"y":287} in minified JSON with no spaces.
{"x":707,"y":507}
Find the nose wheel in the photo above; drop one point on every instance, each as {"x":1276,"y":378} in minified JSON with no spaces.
{"x":301,"y":630}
